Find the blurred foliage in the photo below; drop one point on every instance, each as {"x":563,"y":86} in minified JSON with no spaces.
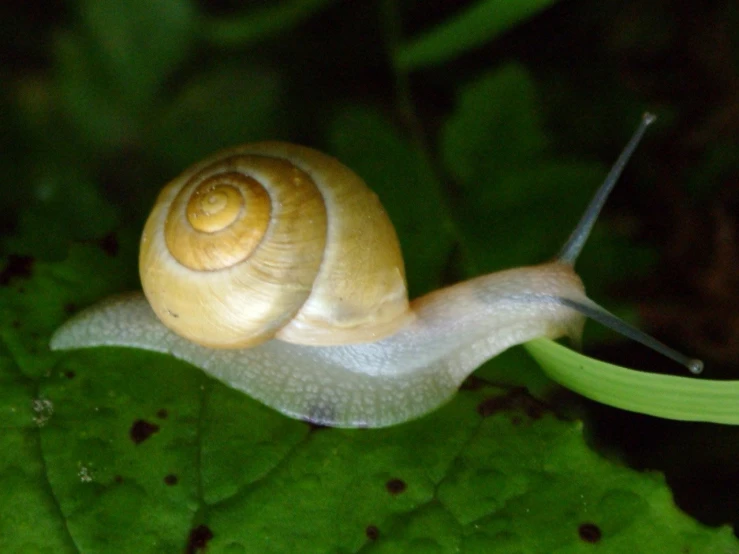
{"x":483,"y":126}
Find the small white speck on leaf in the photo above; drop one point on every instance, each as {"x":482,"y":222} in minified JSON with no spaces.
{"x":44,"y":409}
{"x":84,"y":473}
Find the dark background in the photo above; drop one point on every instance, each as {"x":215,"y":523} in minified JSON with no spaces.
{"x":88,"y":120}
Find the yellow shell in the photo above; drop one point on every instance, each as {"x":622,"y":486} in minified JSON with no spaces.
{"x":273,"y":240}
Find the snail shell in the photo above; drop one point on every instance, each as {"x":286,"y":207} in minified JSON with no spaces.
{"x":273,"y":240}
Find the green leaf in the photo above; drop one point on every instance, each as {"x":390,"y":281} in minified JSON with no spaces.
{"x":89,"y":217}
{"x":110,"y":72}
{"x":35,"y":294}
{"x":139,"y":42}
{"x":495,"y":128}
{"x":93,"y":106}
{"x":471,"y":28}
{"x":138,"y":450}
{"x":221,"y":107}
{"x":110,"y":451}
{"x":30,"y":520}
{"x":259,"y":23}
{"x":667,"y":396}
{"x":518,"y":201}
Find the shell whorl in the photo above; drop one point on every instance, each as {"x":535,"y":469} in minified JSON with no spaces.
{"x":218,"y":222}
{"x":272,"y":239}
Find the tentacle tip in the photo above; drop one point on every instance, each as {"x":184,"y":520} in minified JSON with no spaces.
{"x":648,"y":118}
{"x":695,"y":366}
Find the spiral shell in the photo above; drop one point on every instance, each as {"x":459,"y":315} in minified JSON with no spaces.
{"x":272,"y":240}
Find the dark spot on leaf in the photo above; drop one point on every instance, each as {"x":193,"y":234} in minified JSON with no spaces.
{"x":395,"y":486}
{"x":162,"y":414}
{"x":21,"y":290}
{"x":118,"y":479}
{"x":174,"y":315}
{"x":70,"y":308}
{"x":589,"y":532}
{"x":17,"y":266}
{"x":16,"y":324}
{"x":70,"y":374}
{"x":372,"y":532}
{"x":142,"y":430}
{"x":109,"y":244}
{"x":171,"y":479}
{"x":198,"y":539}
{"x":516,"y":400}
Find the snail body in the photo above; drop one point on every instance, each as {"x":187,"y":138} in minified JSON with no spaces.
{"x":309,"y":312}
{"x":367,"y":384}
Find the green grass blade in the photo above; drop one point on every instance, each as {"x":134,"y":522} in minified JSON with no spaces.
{"x":667,"y":396}
{"x":470,"y":28}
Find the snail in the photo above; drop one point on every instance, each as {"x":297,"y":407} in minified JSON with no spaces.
{"x":275,"y":269}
